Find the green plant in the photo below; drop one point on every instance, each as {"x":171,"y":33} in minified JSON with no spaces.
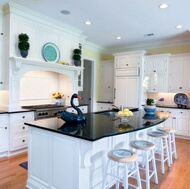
{"x":150,"y":101}
{"x":77,"y":54}
{"x":23,"y":43}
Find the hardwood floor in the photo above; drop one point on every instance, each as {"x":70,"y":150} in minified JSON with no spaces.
{"x":12,"y":176}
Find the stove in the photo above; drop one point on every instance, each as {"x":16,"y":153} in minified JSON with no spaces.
{"x":45,"y":110}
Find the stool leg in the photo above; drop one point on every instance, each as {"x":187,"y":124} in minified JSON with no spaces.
{"x":138,"y":176}
{"x":125,"y":180}
{"x":162,"y":156}
{"x":167,"y":152}
{"x":147,"y":171}
{"x":174,"y":145}
{"x":154,"y":167}
{"x":117,"y":183}
{"x":170,"y":148}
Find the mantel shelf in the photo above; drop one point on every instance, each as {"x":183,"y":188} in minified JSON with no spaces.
{"x":42,"y":65}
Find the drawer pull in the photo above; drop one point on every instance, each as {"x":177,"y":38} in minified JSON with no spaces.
{"x":126,"y":64}
{"x":5,"y":127}
{"x":23,"y":140}
{"x":23,"y":127}
{"x":23,"y":117}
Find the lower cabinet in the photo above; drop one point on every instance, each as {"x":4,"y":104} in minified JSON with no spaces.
{"x":3,"y":133}
{"x":18,"y":130}
{"x":179,"y":119}
{"x":103,"y":106}
{"x":84,"y":109}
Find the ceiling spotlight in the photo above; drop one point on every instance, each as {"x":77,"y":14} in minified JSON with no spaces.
{"x":179,"y":26}
{"x":118,"y":37}
{"x":66,"y":12}
{"x":163,"y":6}
{"x":88,"y":23}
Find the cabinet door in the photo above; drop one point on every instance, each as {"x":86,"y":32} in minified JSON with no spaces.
{"x":107,"y":81}
{"x":161,"y":85}
{"x":185,"y":77}
{"x":126,"y":91}
{"x":1,"y":54}
{"x":3,"y":133}
{"x":127,"y":61}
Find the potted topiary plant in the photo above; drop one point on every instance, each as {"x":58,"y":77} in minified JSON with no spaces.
{"x":23,"y":44}
{"x":77,"y":57}
{"x":150,"y":107}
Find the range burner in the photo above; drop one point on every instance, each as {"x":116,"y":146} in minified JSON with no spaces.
{"x":45,"y":110}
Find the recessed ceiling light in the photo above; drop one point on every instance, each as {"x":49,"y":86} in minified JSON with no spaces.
{"x":163,"y":6}
{"x":88,"y":23}
{"x":179,"y":26}
{"x":66,"y":12}
{"x":118,"y":37}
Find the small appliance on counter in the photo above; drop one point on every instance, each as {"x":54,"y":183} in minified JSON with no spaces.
{"x":181,"y":100}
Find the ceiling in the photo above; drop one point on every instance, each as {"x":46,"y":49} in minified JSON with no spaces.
{"x":129,"y":19}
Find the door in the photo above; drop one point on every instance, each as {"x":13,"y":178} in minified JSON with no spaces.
{"x":86,"y":94}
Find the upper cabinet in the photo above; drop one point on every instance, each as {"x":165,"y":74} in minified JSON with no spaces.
{"x":156,"y":68}
{"x":179,"y":73}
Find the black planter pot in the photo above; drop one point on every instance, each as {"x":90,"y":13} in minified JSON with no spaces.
{"x":77,"y":62}
{"x":24,"y":53}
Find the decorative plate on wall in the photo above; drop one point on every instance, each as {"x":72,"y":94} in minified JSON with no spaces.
{"x":181,"y":99}
{"x":51,"y":52}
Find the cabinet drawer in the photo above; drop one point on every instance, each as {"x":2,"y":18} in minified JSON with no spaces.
{"x":19,"y":128}
{"x":23,"y":116}
{"x":19,"y":142}
{"x":127,"y":61}
{"x":127,"y":72}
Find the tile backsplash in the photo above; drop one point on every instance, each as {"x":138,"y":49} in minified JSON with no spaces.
{"x":168,"y":98}
{"x":36,"y":87}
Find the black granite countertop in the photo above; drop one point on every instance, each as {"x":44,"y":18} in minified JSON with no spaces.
{"x":97,"y":125}
{"x":173,"y":106}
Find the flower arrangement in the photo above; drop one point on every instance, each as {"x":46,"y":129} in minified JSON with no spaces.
{"x":57,"y":95}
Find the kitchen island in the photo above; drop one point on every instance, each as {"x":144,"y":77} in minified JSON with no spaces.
{"x":69,"y":156}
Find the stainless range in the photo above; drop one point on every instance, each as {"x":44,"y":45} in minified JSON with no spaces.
{"x":45,"y":110}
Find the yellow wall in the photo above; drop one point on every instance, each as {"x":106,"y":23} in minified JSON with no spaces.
{"x":172,"y":50}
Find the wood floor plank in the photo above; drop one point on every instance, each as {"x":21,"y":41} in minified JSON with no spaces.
{"x":12,"y":176}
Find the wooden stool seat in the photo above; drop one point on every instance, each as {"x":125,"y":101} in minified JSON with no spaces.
{"x":167,"y":129}
{"x":122,"y":155}
{"x":145,"y":150}
{"x":118,"y":170}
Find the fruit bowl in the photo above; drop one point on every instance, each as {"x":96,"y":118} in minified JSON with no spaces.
{"x":124,"y":115}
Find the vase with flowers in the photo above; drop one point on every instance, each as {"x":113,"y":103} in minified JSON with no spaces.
{"x":150,"y":107}
{"x":58,"y":96}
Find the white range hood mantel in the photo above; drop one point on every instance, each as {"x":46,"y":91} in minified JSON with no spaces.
{"x":23,"y":65}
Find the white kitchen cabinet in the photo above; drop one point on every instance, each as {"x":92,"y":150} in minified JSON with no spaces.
{"x":127,"y":61}
{"x":1,"y":52}
{"x":126,"y":91}
{"x":84,"y":109}
{"x":3,"y":133}
{"x":179,"y":77}
{"x":157,"y":64}
{"x":103,"y":106}
{"x":179,"y":119}
{"x":107,"y":80}
{"x":18,"y":130}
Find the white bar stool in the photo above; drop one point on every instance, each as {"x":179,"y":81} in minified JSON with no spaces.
{"x":117,"y":168}
{"x":171,"y":141}
{"x":161,"y":147}
{"x":146,"y":153}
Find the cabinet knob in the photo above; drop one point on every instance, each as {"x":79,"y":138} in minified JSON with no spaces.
{"x":181,"y":112}
{"x":5,"y":127}
{"x":108,"y":86}
{"x":1,"y":82}
{"x":180,"y":87}
{"x":23,"y":127}
{"x":174,"y":117}
{"x":23,"y":117}
{"x":23,"y":140}
{"x":126,"y":64}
